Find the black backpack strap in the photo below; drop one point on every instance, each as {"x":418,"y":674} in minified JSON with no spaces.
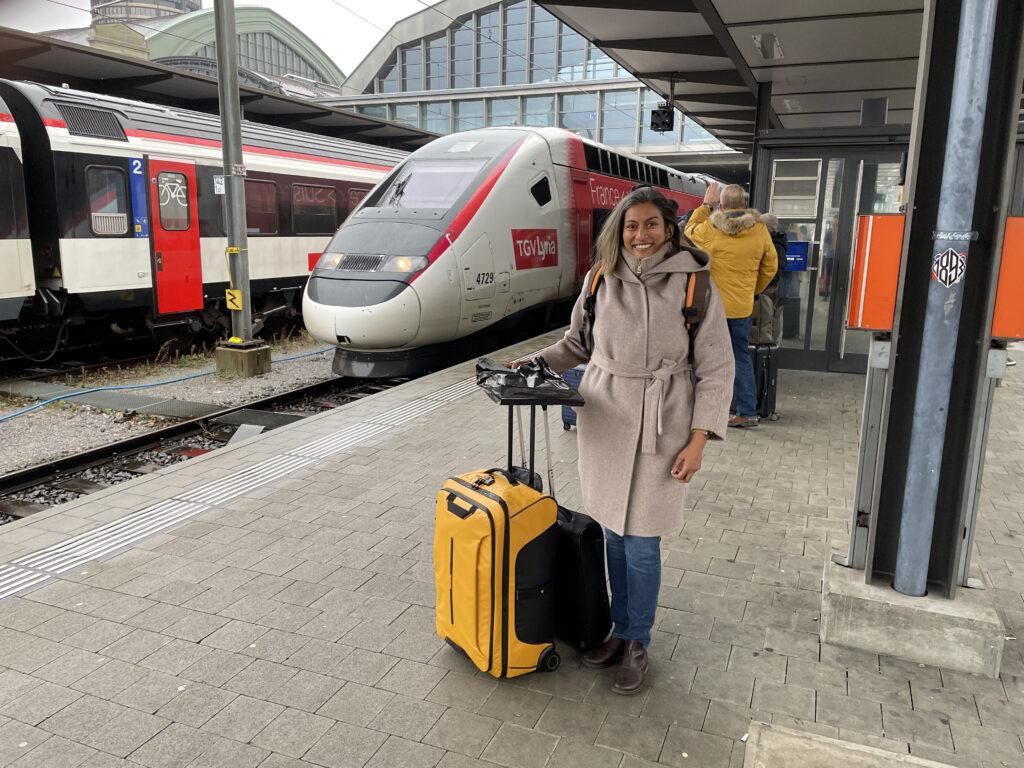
{"x":698,"y":292}
{"x":589,"y":304}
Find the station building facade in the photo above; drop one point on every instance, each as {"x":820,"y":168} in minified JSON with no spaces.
{"x":464,"y":64}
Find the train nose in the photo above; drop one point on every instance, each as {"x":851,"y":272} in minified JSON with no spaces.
{"x":361,"y":314}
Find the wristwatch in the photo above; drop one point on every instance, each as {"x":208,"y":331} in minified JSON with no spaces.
{"x":705,"y":432}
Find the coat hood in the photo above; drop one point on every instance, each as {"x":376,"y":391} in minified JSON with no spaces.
{"x":689,"y":258}
{"x":735,"y":221}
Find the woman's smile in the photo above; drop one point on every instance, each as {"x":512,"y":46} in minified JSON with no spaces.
{"x":644,"y":230}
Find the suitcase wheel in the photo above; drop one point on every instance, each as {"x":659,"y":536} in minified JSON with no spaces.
{"x":566,"y":426}
{"x":549,"y":660}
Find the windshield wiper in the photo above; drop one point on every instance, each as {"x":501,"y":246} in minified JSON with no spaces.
{"x":397,"y":191}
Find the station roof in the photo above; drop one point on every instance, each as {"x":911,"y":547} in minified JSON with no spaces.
{"x":27,"y":56}
{"x":822,"y":58}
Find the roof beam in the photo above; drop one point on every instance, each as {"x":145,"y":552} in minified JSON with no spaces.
{"x":697,"y":45}
{"x":744,"y":115}
{"x":711,"y":77}
{"x":15,"y":55}
{"x":675,"y":6}
{"x":737,"y":99}
{"x":111,"y":84}
{"x":289,"y":118}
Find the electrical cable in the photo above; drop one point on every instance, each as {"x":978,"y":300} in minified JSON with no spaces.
{"x":31,"y":408}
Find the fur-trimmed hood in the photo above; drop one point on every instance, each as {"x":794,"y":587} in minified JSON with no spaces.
{"x":733,"y":222}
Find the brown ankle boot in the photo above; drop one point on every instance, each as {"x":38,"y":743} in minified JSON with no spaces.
{"x":605,"y":655}
{"x":629,"y":678}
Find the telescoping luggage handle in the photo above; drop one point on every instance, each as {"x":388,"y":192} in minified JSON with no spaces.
{"x":522,"y":448}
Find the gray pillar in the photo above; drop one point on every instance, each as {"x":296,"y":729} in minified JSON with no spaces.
{"x":762,"y":121}
{"x":234,"y":169}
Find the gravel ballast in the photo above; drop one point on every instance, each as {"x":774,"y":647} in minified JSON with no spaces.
{"x":62,"y":428}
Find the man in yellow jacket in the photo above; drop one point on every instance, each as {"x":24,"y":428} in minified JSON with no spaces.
{"x":743,"y":262}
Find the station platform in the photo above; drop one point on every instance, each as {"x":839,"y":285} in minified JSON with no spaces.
{"x":271,"y":604}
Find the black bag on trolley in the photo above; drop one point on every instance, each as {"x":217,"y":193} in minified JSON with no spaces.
{"x":582,"y":613}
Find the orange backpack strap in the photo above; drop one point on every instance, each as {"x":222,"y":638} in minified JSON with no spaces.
{"x":698,"y":292}
{"x":589,"y":303}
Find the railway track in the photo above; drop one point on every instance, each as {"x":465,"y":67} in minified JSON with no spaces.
{"x":34,"y":489}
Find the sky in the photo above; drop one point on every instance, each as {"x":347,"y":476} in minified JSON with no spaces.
{"x":347,"y":30}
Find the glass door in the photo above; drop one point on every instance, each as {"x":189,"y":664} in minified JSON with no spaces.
{"x":817,"y":200}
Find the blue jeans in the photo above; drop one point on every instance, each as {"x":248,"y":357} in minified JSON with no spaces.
{"x":744,"y":387}
{"x":634,"y":573}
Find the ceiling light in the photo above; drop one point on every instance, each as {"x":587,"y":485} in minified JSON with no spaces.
{"x":767,"y":44}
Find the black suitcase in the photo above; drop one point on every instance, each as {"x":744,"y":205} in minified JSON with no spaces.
{"x":582,"y":616}
{"x":573,"y":376}
{"x":766,"y":375}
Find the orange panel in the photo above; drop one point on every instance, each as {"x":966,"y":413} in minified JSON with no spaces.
{"x":1008,"y":318}
{"x":876,"y":272}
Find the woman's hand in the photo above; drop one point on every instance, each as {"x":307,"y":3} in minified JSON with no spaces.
{"x":688,"y":461}
{"x":514,"y":364}
{"x":711,"y":194}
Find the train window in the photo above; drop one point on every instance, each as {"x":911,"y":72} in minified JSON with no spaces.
{"x":173,"y":207}
{"x":108,"y":200}
{"x":314,"y":210}
{"x":541,"y":192}
{"x":260,"y":207}
{"x":430,"y":183}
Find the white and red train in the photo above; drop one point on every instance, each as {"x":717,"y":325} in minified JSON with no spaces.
{"x":111,"y":218}
{"x":474,"y":229}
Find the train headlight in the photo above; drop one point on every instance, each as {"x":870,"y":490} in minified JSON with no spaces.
{"x":329,"y":260}
{"x":406,"y":264}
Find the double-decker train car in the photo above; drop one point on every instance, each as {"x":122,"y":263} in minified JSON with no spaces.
{"x":471,"y":231}
{"x":125,"y":215}
{"x":17,"y":281}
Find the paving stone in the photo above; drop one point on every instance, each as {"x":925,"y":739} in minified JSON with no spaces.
{"x":736,"y":688}
{"x":27,"y":653}
{"x":641,"y":736}
{"x":55,"y":752}
{"x":62,"y":626}
{"x":126,"y":733}
{"x":572,"y":719}
{"x":135,"y":646}
{"x":216,"y":667}
{"x":370,"y":635}
{"x":731,"y":720}
{"x":307,"y":691}
{"x":196,"y":704}
{"x":407,"y":717}
{"x":151,"y":692}
{"x":971,"y":739}
{"x":235,"y":636}
{"x":818,"y":675}
{"x":18,"y":739}
{"x":39,"y":702}
{"x":110,"y":679}
{"x":66,"y":670}
{"x":195,"y":626}
{"x":930,"y":728}
{"x":243,"y":718}
{"x":227,"y":752}
{"x":411,"y":678}
{"x":361,"y":666}
{"x":519,"y":747}
{"x":461,"y":731}
{"x":572,"y":753}
{"x":176,"y":745}
{"x":346,"y":746}
{"x":408,"y":754}
{"x":791,"y":643}
{"x":784,"y":699}
{"x":465,"y":692}
{"x":704,"y":653}
{"x":849,"y":712}
{"x":685,"y":748}
{"x":759,"y":664}
{"x":293,"y":732}
{"x":414,"y":645}
{"x":516,"y":705}
{"x":330,"y":625}
{"x":356,"y":704}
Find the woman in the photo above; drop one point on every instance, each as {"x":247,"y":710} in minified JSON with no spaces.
{"x":650,"y":409}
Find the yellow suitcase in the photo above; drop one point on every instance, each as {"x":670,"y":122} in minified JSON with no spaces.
{"x":494,"y":568}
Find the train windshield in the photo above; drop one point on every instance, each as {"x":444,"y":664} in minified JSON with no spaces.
{"x":423,"y":183}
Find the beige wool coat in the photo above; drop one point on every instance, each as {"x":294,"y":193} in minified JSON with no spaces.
{"x":642,"y":395}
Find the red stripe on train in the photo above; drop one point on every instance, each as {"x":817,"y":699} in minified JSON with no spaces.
{"x":469,"y":209}
{"x":197,"y":142}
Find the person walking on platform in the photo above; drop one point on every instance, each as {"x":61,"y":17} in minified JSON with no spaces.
{"x":743,"y":262}
{"x":651,"y":405}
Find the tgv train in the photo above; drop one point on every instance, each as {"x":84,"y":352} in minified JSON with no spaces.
{"x":474,"y":229}
{"x":112,"y":216}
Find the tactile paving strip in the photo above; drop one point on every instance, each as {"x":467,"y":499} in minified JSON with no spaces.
{"x":32,"y":569}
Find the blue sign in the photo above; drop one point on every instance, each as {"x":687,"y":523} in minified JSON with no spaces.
{"x":140,"y":221}
{"x":796,"y":256}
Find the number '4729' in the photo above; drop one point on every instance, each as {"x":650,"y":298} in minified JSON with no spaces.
{"x":483,"y":278}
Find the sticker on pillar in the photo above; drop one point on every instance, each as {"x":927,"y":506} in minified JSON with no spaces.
{"x":949,"y":267}
{"x":535,"y":248}
{"x":233,"y":298}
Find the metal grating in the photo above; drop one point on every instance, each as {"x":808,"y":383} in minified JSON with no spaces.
{"x":98,"y":123}
{"x":361,"y":262}
{"x":110,"y":223}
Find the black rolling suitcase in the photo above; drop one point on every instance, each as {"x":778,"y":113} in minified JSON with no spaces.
{"x":582,"y":616}
{"x":766,"y":377}
{"x":573,"y":376}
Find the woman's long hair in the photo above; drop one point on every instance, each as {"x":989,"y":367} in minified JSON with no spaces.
{"x":609,"y":242}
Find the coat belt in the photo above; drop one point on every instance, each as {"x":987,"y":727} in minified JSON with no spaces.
{"x":654,"y":392}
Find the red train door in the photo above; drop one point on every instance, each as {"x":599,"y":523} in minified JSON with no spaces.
{"x":177,"y":266}
{"x":584,"y":221}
